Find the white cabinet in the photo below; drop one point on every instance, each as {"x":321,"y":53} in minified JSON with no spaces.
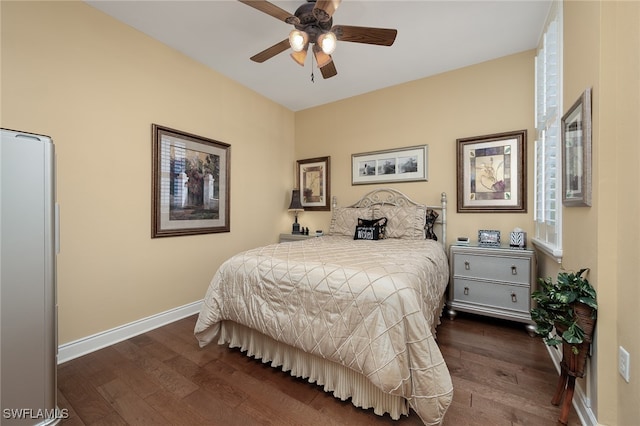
{"x":492,"y":281}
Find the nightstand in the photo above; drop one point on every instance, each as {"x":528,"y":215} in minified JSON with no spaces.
{"x":492,"y":281}
{"x":294,"y":237}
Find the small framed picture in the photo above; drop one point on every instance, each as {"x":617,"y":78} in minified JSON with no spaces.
{"x":576,"y":153}
{"x":313,"y":179}
{"x":487,"y":237}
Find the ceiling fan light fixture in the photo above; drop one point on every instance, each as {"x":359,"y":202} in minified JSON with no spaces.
{"x":327,"y":42}
{"x":322,"y":58}
{"x":298,"y":40}
{"x":299,"y":57}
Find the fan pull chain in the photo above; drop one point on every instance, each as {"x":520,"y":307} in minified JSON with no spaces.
{"x":312,"y":77}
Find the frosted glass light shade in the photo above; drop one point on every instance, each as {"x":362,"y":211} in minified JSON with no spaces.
{"x":327,"y":42}
{"x":298,"y":40}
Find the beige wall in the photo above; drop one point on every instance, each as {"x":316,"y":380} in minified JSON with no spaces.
{"x":96,"y":86}
{"x":620,"y":86}
{"x":491,"y":97}
{"x":602,"y":51}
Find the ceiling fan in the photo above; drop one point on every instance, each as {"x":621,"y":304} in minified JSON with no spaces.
{"x":313,"y":22}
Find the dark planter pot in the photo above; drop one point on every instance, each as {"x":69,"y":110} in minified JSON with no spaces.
{"x":575,"y":363}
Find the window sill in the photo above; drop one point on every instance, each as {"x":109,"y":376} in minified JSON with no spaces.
{"x":551,"y":251}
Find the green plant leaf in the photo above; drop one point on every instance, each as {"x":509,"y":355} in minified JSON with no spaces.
{"x":552,"y":341}
{"x":573,"y":334}
{"x":554,"y":306}
{"x":589,"y":301}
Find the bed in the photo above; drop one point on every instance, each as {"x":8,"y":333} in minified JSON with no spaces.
{"x":355,"y":316}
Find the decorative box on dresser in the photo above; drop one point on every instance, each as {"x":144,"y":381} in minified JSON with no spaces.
{"x":492,"y":281}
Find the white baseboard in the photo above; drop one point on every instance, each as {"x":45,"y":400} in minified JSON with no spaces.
{"x":77,"y":348}
{"x":580,"y":401}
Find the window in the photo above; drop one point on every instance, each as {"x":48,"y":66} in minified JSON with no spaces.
{"x":548,"y":107}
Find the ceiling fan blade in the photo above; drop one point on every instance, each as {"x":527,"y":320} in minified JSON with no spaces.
{"x":300,"y":56}
{"x":273,"y":10}
{"x":324,"y":9}
{"x":329,"y":70}
{"x":367,"y":35}
{"x":272,"y":51}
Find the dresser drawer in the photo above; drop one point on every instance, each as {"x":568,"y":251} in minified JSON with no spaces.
{"x":505,"y":296}
{"x":496,"y":268}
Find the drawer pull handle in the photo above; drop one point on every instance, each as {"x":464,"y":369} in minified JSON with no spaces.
{"x":467,"y":265}
{"x":514,"y":298}
{"x":514,"y":270}
{"x":466,"y":291}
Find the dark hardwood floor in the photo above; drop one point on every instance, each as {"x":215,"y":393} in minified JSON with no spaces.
{"x":501,"y":376}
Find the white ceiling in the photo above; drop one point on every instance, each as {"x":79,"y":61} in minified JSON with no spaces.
{"x":433,"y":37}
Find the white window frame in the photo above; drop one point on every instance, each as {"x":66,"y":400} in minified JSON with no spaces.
{"x":548,"y":144}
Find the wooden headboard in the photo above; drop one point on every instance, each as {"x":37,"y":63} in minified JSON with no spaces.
{"x":394,"y":197}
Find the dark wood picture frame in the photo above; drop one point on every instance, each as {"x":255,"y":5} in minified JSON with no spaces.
{"x":313,"y":178}
{"x":189,"y":184}
{"x":492,"y":173}
{"x":576,"y":153}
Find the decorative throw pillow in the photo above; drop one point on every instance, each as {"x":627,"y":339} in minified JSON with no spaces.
{"x":345,"y":219}
{"x":431,"y":219}
{"x":404,"y":222}
{"x":370,"y":229}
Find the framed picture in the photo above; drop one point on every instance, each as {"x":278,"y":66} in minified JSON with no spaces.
{"x":190,"y":184}
{"x":576,"y":153}
{"x":393,"y":165}
{"x":488,"y":237}
{"x":491,"y":173}
{"x":313,"y":180}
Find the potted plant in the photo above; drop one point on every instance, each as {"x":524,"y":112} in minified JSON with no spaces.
{"x":569,"y":305}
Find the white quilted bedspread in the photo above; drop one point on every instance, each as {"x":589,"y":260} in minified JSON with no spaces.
{"x":369,"y":305}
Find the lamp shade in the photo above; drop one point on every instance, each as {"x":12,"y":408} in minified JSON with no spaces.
{"x":327,"y":42}
{"x":322,"y":58}
{"x":298,"y":40}
{"x":296,"y":205}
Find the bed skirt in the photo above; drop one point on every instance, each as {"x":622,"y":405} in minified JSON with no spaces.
{"x":343,"y":382}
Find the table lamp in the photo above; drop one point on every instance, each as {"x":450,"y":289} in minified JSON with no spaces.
{"x":296,"y":206}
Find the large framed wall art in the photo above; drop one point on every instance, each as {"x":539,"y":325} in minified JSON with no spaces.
{"x":392,"y":165}
{"x":190,"y":184}
{"x":491,"y":173}
{"x":576,"y":153}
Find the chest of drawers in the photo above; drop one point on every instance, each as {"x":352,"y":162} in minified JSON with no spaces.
{"x":492,"y":281}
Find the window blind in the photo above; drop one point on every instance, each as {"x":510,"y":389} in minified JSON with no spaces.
{"x":548,"y":107}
